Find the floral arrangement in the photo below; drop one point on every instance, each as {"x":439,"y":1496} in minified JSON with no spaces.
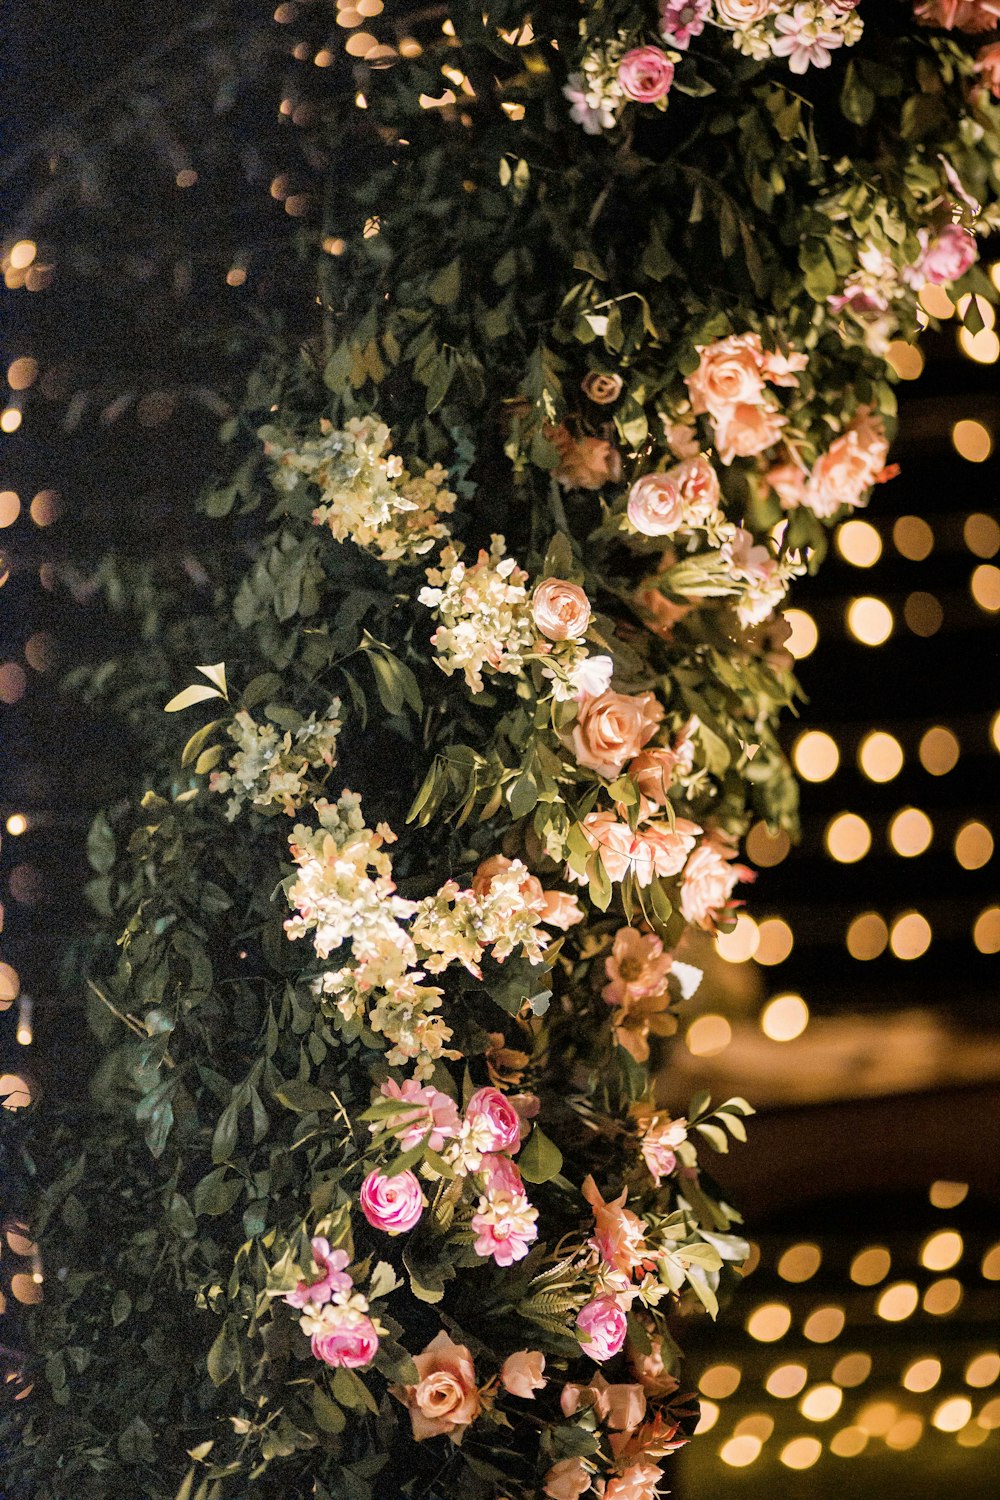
{"x":405,"y":960}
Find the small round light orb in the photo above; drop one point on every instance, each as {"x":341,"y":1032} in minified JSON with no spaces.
{"x":867,"y":936}
{"x":946,"y":1194}
{"x":983,"y":1370}
{"x":848,"y":838}
{"x":986,"y":932}
{"x":758,"y":1425}
{"x":852,"y":1370}
{"x":871,"y":1266}
{"x":805,"y":635}
{"x":800,"y":1262}
{"x":877,"y":1417}
{"x":709,"y":1416}
{"x":738,"y":1452}
{"x":816,"y":755}
{"x":738,"y":946}
{"x":971,"y":1436}
{"x":910,"y":936}
{"x":906,"y":1433}
{"x":906,"y":359}
{"x":923,"y":614}
{"x":849,"y":1442}
{"x":942,"y":1251}
{"x":939,"y":751}
{"x":22,"y":254}
{"x":10,"y":419}
{"x":952,"y":1414}
{"x":981,"y":534}
{"x":719,"y":1381}
{"x":824,"y":1325}
{"x":821,"y":1402}
{"x":935,"y":300}
{"x":973,"y":846}
{"x":989,"y":1417}
{"x":898,"y":1302}
{"x":985,"y":586}
{"x":983,"y":347}
{"x":972,"y":440}
{"x":765,"y":848}
{"x":913,"y":538}
{"x":769,"y":1322}
{"x":17,"y":824}
{"x":911,"y":832}
{"x":922,"y":1375}
{"x":785,"y":1381}
{"x":801,"y":1453}
{"x":869,"y":620}
{"x":784,"y":1018}
{"x":859,"y":543}
{"x":10,"y":507}
{"x":990,"y":1268}
{"x":775,"y":941}
{"x":880,"y":756}
{"x":942,"y":1297}
{"x":708,"y":1035}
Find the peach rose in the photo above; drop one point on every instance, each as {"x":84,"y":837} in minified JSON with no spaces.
{"x":613,"y":727}
{"x":618,"y":1233}
{"x":655,"y":505}
{"x":585,"y":463}
{"x":622,"y":1407}
{"x":521,"y":1373}
{"x":852,"y":463}
{"x":561,"y":910}
{"x":445,"y":1399}
{"x":636,"y":967}
{"x":784,"y":369}
{"x":567,"y":1480}
{"x":698,"y":484}
{"x":600,"y":388}
{"x":651,"y":1369}
{"x":961,"y":15}
{"x":613,"y":841}
{"x":645,"y":74}
{"x":652,"y":771}
{"x":710,"y":877}
{"x":730,"y":370}
{"x":743,"y":430}
{"x":669,"y":847}
{"x":739,"y":14}
{"x":561,"y":610}
{"x":789,"y":484}
{"x":638,"y":1482}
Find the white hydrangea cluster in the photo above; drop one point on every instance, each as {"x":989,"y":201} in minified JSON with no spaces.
{"x":367,"y":496}
{"x":484,"y":611}
{"x":595,"y":94}
{"x":270,"y":768}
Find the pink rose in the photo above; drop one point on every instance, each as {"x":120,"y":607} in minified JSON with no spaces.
{"x":430,"y":1112}
{"x":698,"y":484}
{"x":345,"y":1337}
{"x":645,"y":74}
{"x":655,"y":505}
{"x":850,"y":466}
{"x":561,"y":610}
{"x":600,"y":388}
{"x":495,"y":1122}
{"x":561,"y":910}
{"x":660,"y":1137}
{"x":636,"y":968}
{"x":521,"y":1373}
{"x":789,"y":484}
{"x":445,"y":1399}
{"x":784,"y":369}
{"x":949,"y":255}
{"x":961,"y":15}
{"x":738,"y":15}
{"x":333,"y":1279}
{"x":501,"y":1174}
{"x":604,"y":1322}
{"x":988,"y":67}
{"x":621,"y":1407}
{"x":618,"y":1233}
{"x":393,"y":1204}
{"x":638,"y":1482}
{"x":710,"y":877}
{"x":567,"y":1480}
{"x":585,"y":463}
{"x":613,"y":727}
{"x":744,"y":430}
{"x":730,"y":371}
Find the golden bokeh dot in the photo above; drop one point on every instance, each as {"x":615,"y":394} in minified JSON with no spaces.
{"x":995,"y":731}
{"x":910,"y":832}
{"x":871,"y":1265}
{"x":877,"y":1417}
{"x":983,"y":1370}
{"x":905,"y":1433}
{"x":719,"y":1381}
{"x":935,"y":300}
{"x":10,"y":985}
{"x":774,"y":941}
{"x":709,"y":1417}
{"x":906,"y":359}
{"x":983,"y":347}
{"x":991,"y":1264}
{"x":801,"y":1453}
{"x":17,"y":824}
{"x":869,"y":620}
{"x":15,"y":1093}
{"x":942,"y":1251}
{"x":952,"y":1414}
{"x":13,"y":682}
{"x":805,"y":633}
{"x":22,"y":373}
{"x":766,"y":848}
{"x":971,"y":1435}
{"x":989,"y":1417}
{"x":849,"y":1442}
{"x":738,"y":1452}
{"x":769,"y":1322}
{"x":986,"y":932}
{"x":800,"y":1262}
{"x":821,"y":1402}
{"x":816,"y":755}
{"x":848,"y":838}
{"x":986,"y":310}
{"x":897,"y":1302}
{"x":942,"y":1297}
{"x":20,"y":1241}
{"x":946,"y":1194}
{"x":880,"y":756}
{"x":922,"y":1375}
{"x":859,"y":543}
{"x":910,"y":936}
{"x":939,"y":751}
{"x":40,"y":651}
{"x":10,"y":419}
{"x":867,"y":936}
{"x":923,"y":614}
{"x":981,"y":534}
{"x":752,"y":1261}
{"x":784,"y":1018}
{"x":708,"y":1035}
{"x":22,"y":254}
{"x":738,"y":946}
{"x":758,"y":1425}
{"x":46,"y":507}
{"x":913,"y":538}
{"x":985,"y":586}
{"x":24,"y":1286}
{"x":852,"y":1370}
{"x":785,"y":1381}
{"x":10,"y":507}
{"x":972,"y":440}
{"x":824,"y":1325}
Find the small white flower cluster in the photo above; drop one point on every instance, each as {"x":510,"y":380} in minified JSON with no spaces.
{"x":595,"y":94}
{"x":806,"y":33}
{"x":484,"y":611}
{"x":271,"y":768}
{"x":367,"y":496}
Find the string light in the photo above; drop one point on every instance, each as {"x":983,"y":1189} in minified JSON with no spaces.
{"x":848,"y":838}
{"x":952,"y":1414}
{"x":983,"y":347}
{"x":10,"y":419}
{"x":972,"y":440}
{"x":859,"y":543}
{"x":769,"y":1322}
{"x":816,"y":755}
{"x":766,"y":848}
{"x":708,"y":1035}
{"x":913,"y":538}
{"x":774,"y":942}
{"x":738,"y":1452}
{"x":801,"y":1453}
{"x":911,"y":832}
{"x":869,"y":620}
{"x":922,"y":1375}
{"x":945,"y":1194}
{"x":784,"y":1018}
{"x":983,"y":1370}
{"x":17,"y":824}
{"x":905,"y":1433}
{"x":10,"y":507}
{"x":709,"y":1417}
{"x":849,"y":1442}
{"x":880,"y":756}
{"x":24,"y":1034}
{"x":935,"y":300}
{"x":906,"y":359}
{"x":867,"y":937}
{"x":942,"y":1297}
{"x":986,"y":932}
{"x":741,"y":944}
{"x":821,"y":1403}
{"x":991,"y":1264}
{"x":877,"y":1417}
{"x":719,"y":1381}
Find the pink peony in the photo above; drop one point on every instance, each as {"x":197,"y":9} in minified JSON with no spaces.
{"x":960,"y":15}
{"x":495,"y":1122}
{"x":744,"y":430}
{"x":638,"y":1482}
{"x":655,"y":505}
{"x":680,"y":20}
{"x":393,"y":1204}
{"x":445,"y":1399}
{"x":645,"y":74}
{"x":346,"y":1338}
{"x":949,"y":255}
{"x":636,"y":968}
{"x":505,"y":1226}
{"x":710,"y":877}
{"x":618,"y":1233}
{"x":604,"y":1322}
{"x":613,"y":727}
{"x":332,"y":1264}
{"x":521,"y":1373}
{"x":729,"y":373}
{"x":561,"y":610}
{"x":567,"y":1480}
{"x":501,"y":1175}
{"x":430,"y":1111}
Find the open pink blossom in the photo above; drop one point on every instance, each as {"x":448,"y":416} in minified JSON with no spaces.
{"x":621,"y":852}
{"x":604,"y":1324}
{"x":618,"y":1233}
{"x":669,"y":846}
{"x":853,"y":462}
{"x":501,"y":1175}
{"x":988,"y":67}
{"x":494,"y":1122}
{"x":655,"y":505}
{"x":612,"y":728}
{"x":431,"y":1113}
{"x":804,"y":38}
{"x":948,"y":255}
{"x":645,"y":74}
{"x":660,"y":1138}
{"x":561,"y":610}
{"x":620,"y":1407}
{"x":521,"y":1373}
{"x":729,"y":373}
{"x":445,"y":1399}
{"x":344,"y":1337}
{"x":680,"y":20}
{"x":393,"y":1204}
{"x":567,"y":1480}
{"x":640,"y":1481}
{"x":710,"y":876}
{"x":744,"y":430}
{"x":636,"y":967}
{"x":333,"y":1279}
{"x":698,"y":484}
{"x":505,"y":1226}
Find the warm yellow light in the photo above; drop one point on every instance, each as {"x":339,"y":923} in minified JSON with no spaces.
{"x":10,"y":419}
{"x":939,"y":751}
{"x":985,"y":309}
{"x":869,"y":620}
{"x":952,"y":1414}
{"x":848,"y":838}
{"x":995,"y":731}
{"x":769,"y":1322}
{"x":983,"y":1370}
{"x":922,"y":1375}
{"x":989,"y":1417}
{"x":786,"y":1380}
{"x":946,"y":1194}
{"x":867,"y":936}
{"x":880,"y":756}
{"x":805,"y":633}
{"x":983,"y":347}
{"x":784,"y":1018}
{"x":801,"y":1453}
{"x":852,"y":1369}
{"x":911,"y":832}
{"x":765,"y":848}
{"x":719,"y":1381}
{"x":10,"y":986}
{"x":45,"y":507}
{"x":905,"y":1433}
{"x":815,"y":755}
{"x":910,"y":936}
{"x":752,"y":1261}
{"x":913,"y":538}
{"x":775,"y":941}
{"x":186,"y":177}
{"x":22,"y":373}
{"x":738,"y":1452}
{"x":849,"y":1442}
{"x":942,"y":1297}
{"x":10,"y":507}
{"x":981,"y":534}
{"x":923,"y":614}
{"x":972,"y":441}
{"x":15,"y":1093}
{"x":897,"y":1302}
{"x":871,"y":1266}
{"x":707,"y":1035}
{"x":236,"y":276}
{"x":758,"y":1425}
{"x":942,"y":1251}
{"x":859,"y":543}
{"x":821,"y":1403}
{"x":22,"y":254}
{"x":906,"y":359}
{"x":709,"y":1417}
{"x":991,"y":1264}
{"x":800,"y":1262}
{"x":970,"y":1436}
{"x":935,"y":300}
{"x":985,"y":586}
{"x":877,"y":1417}
{"x":740,"y":944}
{"x":824,"y":1325}
{"x":986,"y":933}
{"x":17,"y":824}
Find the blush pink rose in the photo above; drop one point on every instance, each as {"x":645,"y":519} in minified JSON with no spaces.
{"x":393,"y":1204}
{"x":669,"y":847}
{"x":710,"y":876}
{"x":730,"y":371}
{"x":496,"y":1125}
{"x":637,"y":967}
{"x":501,"y":1174}
{"x":521,"y":1373}
{"x":655,"y":505}
{"x":850,"y":466}
{"x":430,"y":1112}
{"x":333,"y":1277}
{"x":621,"y":1407}
{"x":645,"y":74}
{"x":949,"y":255}
{"x":744,"y":430}
{"x":652,"y":771}
{"x":699,"y":489}
{"x":660,"y":1138}
{"x":561,"y":910}
{"x":613,"y":727}
{"x":639,"y":1481}
{"x":561,"y":610}
{"x":567,"y":1480}
{"x":789,"y":484}
{"x":445,"y":1399}
{"x":613,"y":841}
{"x":345,"y":1338}
{"x":605,"y":1325}
{"x":960,"y":15}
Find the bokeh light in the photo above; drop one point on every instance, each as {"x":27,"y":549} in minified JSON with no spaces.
{"x":952,"y":1414}
{"x":784,"y":1018}
{"x":805,"y":634}
{"x":859,"y":543}
{"x":867,"y":936}
{"x":719,"y":1381}
{"x":942,"y":1297}
{"x":897,"y":1302}
{"x":986,"y":932}
{"x":765,"y":848}
{"x":824,"y":1325}
{"x":869,"y":620}
{"x":707,"y":1035}
{"x":923,"y":614}
{"x":801,"y":1453}
{"x":910,"y":936}
{"x":942,"y":1251}
{"x":981,"y":534}
{"x":939,"y":751}
{"x":852,"y":1370}
{"x":821,"y":1402}
{"x":774,"y":942}
{"x":913,"y":538}
{"x":972,"y":440}
{"x":880,"y":756}
{"x":785,"y":1381}
{"x":871,"y":1265}
{"x":911,"y":832}
{"x":769,"y":1322}
{"x":922,"y":1375}
{"x":848,"y":838}
{"x":816,"y":755}
{"x":800,"y":1262}
{"x":985,"y":586}
{"x":738,"y":946}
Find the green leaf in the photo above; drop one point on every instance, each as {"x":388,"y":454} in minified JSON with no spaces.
{"x":101,"y":845}
{"x":303,"y":1097}
{"x":447,"y":284}
{"x":120,"y":1307}
{"x":523,"y":795}
{"x":329,"y":1416}
{"x":216,"y":1194}
{"x":540,"y":1158}
{"x":197,"y":742}
{"x":223,"y":1356}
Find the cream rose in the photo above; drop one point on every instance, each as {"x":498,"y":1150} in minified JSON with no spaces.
{"x":739,"y":14}
{"x":445,"y":1399}
{"x":655,"y":505}
{"x":698,"y":485}
{"x":561,"y":610}
{"x":729,"y":372}
{"x":600,"y":388}
{"x":613,"y":727}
